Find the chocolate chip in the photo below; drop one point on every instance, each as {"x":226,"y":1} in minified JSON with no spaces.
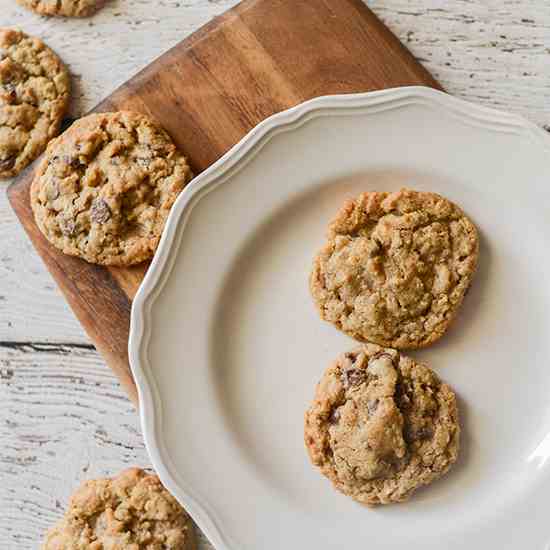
{"x":334,"y":416}
{"x":372,"y":406}
{"x":353,"y":377}
{"x":8,"y":163}
{"x":404,"y":400}
{"x":423,"y":433}
{"x":100,"y":211}
{"x":74,"y":162}
{"x":68,"y":227}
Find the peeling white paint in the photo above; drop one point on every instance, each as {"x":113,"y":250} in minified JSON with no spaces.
{"x":64,"y":417}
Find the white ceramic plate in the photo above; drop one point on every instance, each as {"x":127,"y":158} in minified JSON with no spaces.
{"x":226,"y":346}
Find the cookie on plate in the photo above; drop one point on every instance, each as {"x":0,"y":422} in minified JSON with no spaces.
{"x":395,"y":268}
{"x":66,"y":8}
{"x":132,"y":511}
{"x":34,"y":95}
{"x":381,"y":425}
{"x":105,"y":187}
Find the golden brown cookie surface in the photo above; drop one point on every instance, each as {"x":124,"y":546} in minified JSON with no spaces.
{"x":131,"y":511}
{"x":34,"y":95}
{"x":395,"y":268}
{"x":381,"y":425}
{"x":66,"y":8}
{"x":105,"y":187}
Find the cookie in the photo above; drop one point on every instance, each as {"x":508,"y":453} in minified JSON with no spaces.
{"x":395,"y":268}
{"x":105,"y":187}
{"x":34,"y":96}
{"x":381,"y":425}
{"x":66,"y":8}
{"x":132,"y":511}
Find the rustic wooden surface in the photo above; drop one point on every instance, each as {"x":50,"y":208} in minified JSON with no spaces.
{"x":64,"y":416}
{"x":207,"y":102}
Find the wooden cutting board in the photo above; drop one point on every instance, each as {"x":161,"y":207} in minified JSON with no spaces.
{"x":259,"y":58}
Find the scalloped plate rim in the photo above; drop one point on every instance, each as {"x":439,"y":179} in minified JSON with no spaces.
{"x":219,"y":172}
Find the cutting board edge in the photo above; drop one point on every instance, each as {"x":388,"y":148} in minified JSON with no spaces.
{"x":116,"y":354}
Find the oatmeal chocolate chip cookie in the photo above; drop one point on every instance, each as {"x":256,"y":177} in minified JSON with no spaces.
{"x":395,"y":268}
{"x":381,"y":425}
{"x":105,"y":187}
{"x":132,"y":511}
{"x":66,"y":8}
{"x":34,"y":95}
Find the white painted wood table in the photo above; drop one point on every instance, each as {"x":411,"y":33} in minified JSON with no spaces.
{"x":63,"y":415}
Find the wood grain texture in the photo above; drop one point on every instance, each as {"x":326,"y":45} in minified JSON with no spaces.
{"x":271,"y":60}
{"x":494,"y":53}
{"x":98,"y":299}
{"x":489,"y":52}
{"x":84,"y":429}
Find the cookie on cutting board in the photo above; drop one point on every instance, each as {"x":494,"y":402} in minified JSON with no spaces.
{"x":104,"y":188}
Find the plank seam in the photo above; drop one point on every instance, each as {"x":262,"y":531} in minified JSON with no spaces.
{"x":46,"y":347}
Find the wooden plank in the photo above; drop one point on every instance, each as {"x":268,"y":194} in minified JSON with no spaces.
{"x":257,"y":59}
{"x":476,"y":50}
{"x":98,"y":300}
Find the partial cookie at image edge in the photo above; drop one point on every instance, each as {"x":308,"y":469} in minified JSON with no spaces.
{"x":34,"y":97}
{"x":63,"y":8}
{"x":131,"y":509}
